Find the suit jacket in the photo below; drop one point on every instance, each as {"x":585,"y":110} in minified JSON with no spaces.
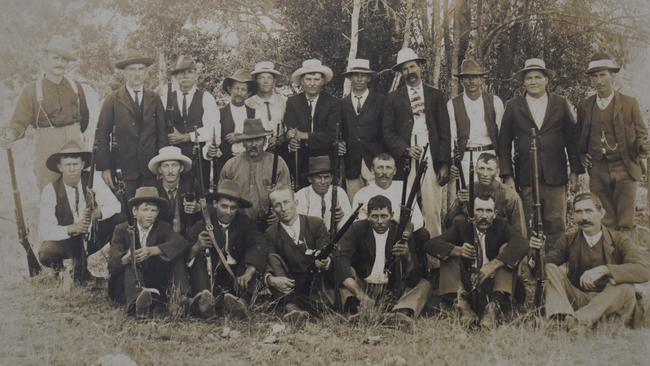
{"x":357,"y":249}
{"x":245,"y":242}
{"x":362,"y":133}
{"x":187,"y":184}
{"x":138,"y":136}
{"x":228,"y":126}
{"x":556,"y":141}
{"x":629,"y":128}
{"x":313,"y":235}
{"x":326,"y":115}
{"x":627,"y":263}
{"x":398,"y":125}
{"x":498,"y":234}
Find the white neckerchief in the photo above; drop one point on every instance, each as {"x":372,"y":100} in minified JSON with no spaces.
{"x":604,"y":102}
{"x":593,"y":239}
{"x":378,"y":274}
{"x":293,"y":230}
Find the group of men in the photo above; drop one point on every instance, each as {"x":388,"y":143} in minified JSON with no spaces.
{"x":225,"y":206}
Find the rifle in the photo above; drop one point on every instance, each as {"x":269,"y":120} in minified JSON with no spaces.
{"x":89,"y":238}
{"x":130,"y":229}
{"x":32,"y":262}
{"x":215,"y":163}
{"x":169,"y":108}
{"x":405,"y":215}
{"x":206,"y":213}
{"x":336,"y":176}
{"x":457,"y":160}
{"x":280,"y":139}
{"x":537,"y":224}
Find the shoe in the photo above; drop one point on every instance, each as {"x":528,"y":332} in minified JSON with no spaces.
{"x":490,"y":317}
{"x":203,"y":305}
{"x":351,"y":305}
{"x":295,"y":315}
{"x":143,"y":304}
{"x":397,"y":319}
{"x":235,"y":306}
{"x":466,"y":315}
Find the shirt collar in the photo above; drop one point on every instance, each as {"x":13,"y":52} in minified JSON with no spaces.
{"x":593,"y":239}
{"x":190,"y":93}
{"x":363,"y":95}
{"x":542,"y":99}
{"x":238,"y":108}
{"x":467,"y":99}
{"x":293,"y":228}
{"x":142,"y":230}
{"x":604,"y":102}
{"x":132,"y":91}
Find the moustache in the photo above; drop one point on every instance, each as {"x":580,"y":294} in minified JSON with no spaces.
{"x":584,"y":222}
{"x":483,"y":221}
{"x":412,"y":75}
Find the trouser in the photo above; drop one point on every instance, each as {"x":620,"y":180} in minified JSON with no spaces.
{"x":48,"y":141}
{"x":355,"y":184}
{"x":553,"y":199}
{"x":431,"y":193}
{"x":588,"y":307}
{"x":221,"y":281}
{"x":611,"y":182}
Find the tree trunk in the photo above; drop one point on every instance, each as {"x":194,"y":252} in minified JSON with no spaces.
{"x":354,"y":40}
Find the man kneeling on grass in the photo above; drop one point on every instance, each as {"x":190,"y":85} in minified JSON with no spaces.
{"x":158,"y":257}
{"x":591,"y":273}
{"x":368,"y":260}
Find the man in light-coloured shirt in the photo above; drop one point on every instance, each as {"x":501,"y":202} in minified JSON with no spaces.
{"x":383,"y":166}
{"x":64,"y":218}
{"x":268,"y":104}
{"x":316,"y":198}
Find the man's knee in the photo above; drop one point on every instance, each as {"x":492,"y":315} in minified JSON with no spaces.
{"x":553,"y":269}
{"x":51,"y":253}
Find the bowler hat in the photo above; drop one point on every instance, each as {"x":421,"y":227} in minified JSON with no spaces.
{"x":72,"y":148}
{"x":359,"y":66}
{"x":602,"y":61}
{"x":405,"y":55}
{"x":470,"y":67}
{"x":62,"y":47}
{"x":148,"y":194}
{"x":228,"y":189}
{"x":253,"y":129}
{"x":534,"y":64}
{"x":167,"y":153}
{"x":312,"y":66}
{"x":241,"y":76}
{"x":183,"y":63}
{"x":133,"y":57}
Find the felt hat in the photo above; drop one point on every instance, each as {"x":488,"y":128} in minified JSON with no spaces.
{"x":534,"y":64}
{"x":253,"y":129}
{"x":319,"y":164}
{"x":241,"y":76}
{"x":265,"y":66}
{"x":312,"y":66}
{"x":62,"y":47}
{"x":602,"y":61}
{"x":183,"y":63}
{"x":133,"y":57}
{"x":167,"y":153}
{"x":405,"y":55}
{"x":359,"y":66}
{"x":229,"y":189}
{"x":470,"y":67}
{"x":148,"y":194}
{"x":71,"y":148}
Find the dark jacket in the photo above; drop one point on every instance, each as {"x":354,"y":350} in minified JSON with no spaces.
{"x":398,"y":125}
{"x":626,"y":262}
{"x":362,"y":133}
{"x":138,"y":136}
{"x":629,"y":128}
{"x":323,"y":130}
{"x":556,"y":142}
{"x":186,"y":185}
{"x":498,"y":234}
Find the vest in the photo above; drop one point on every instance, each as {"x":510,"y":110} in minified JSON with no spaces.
{"x":80,"y":104}
{"x":62,"y":210}
{"x":603,"y":121}
{"x":194,"y":118}
{"x":463,"y":123}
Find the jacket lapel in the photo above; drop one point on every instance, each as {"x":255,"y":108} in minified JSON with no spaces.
{"x":368,"y":102}
{"x":148,"y":101}
{"x":608,"y":246}
{"x":125,"y":99}
{"x":586,"y":122}
{"x":550,"y":106}
{"x":319,"y":106}
{"x":152,"y":238}
{"x":619,"y":124}
{"x":525,"y":110}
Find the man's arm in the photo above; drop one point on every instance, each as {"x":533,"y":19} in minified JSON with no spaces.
{"x":257,"y":251}
{"x":392,"y":139}
{"x":24,"y":114}
{"x":442,"y":245}
{"x":324,"y":138}
{"x":48,"y":226}
{"x":108,"y":204}
{"x":118,"y":248}
{"x":444,"y":134}
{"x":161,"y":129}
{"x":516,"y":248}
{"x":634,"y":267}
{"x":639,"y":128}
{"x":102,"y":136}
{"x":506,"y":135}
{"x":211,"y":121}
{"x":571,"y":139}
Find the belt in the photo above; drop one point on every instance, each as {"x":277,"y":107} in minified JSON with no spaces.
{"x":480,"y":148}
{"x":54,"y":126}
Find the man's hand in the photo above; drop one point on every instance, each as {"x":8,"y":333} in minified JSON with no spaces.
{"x":233,"y":137}
{"x":415,"y":152}
{"x":590,"y":277}
{"x":338,"y":215}
{"x":282,"y":284}
{"x":191,"y":207}
{"x":243,"y":280}
{"x":107,"y":176}
{"x":466,"y":251}
{"x":443,"y":175}
{"x":213,"y":152}
{"x":176,"y":137}
{"x":341,"y":148}
{"x":644,"y":147}
{"x":272,"y":218}
{"x":574,"y":183}
{"x":145,"y":253}
{"x":7,"y":139}
{"x":454,"y":172}
{"x":585,"y":160}
{"x":203,"y":242}
{"x":509,"y":181}
{"x":80,"y":227}
{"x":401,"y":249}
{"x":126,"y":258}
{"x":302,"y":135}
{"x":323,"y":264}
{"x":488,"y":270}
{"x":536,"y":242}
{"x":463,"y":195}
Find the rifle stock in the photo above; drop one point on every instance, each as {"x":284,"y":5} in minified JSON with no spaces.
{"x":537,"y":224}
{"x":169,"y":108}
{"x":130,"y":230}
{"x":326,"y":251}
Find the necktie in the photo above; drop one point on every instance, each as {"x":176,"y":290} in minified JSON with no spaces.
{"x":311,"y":115}
{"x":268,"y":110}
{"x":76,"y":199}
{"x":184,"y":106}
{"x":417,"y":105}
{"x":323,"y":207}
{"x":358,"y":103}
{"x":171,"y":194}
{"x":137,"y":99}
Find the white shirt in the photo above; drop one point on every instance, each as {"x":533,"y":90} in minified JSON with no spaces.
{"x":378,"y":274}
{"x":537,"y":108}
{"x":144,"y":234}
{"x":314,"y":101}
{"x":211,"y":115}
{"x":132,"y":91}
{"x":277,"y":105}
{"x":293,"y":230}
{"x":419,"y":121}
{"x":478,"y":132}
{"x":309,"y":203}
{"x":394,"y":194}
{"x":48,"y":226}
{"x":238,"y":116}
{"x":593,"y":239}
{"x":604,"y":102}
{"x":356,"y":99}
{"x":481,"y":240}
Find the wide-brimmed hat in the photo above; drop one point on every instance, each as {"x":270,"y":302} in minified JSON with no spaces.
{"x":311,"y":66}
{"x":133,"y":57}
{"x":253,"y":129}
{"x":242,"y":76}
{"x":319,"y":164}
{"x":229,"y":189}
{"x":183,"y":63}
{"x":72,"y":148}
{"x":265,"y":66}
{"x":148,"y":194}
{"x":168,"y":153}
{"x":405,"y":55}
{"x":62,"y":47}
{"x":534,"y":64}
{"x":602,"y":61}
{"x":359,"y":66}
{"x":470,"y":67}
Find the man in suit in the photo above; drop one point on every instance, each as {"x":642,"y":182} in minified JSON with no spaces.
{"x":550,"y":116}
{"x":311,"y":118}
{"x":416,"y":115}
{"x":243,"y":248}
{"x":479,"y":258}
{"x":362,"y":112}
{"x":366,"y":264}
{"x":303,"y":283}
{"x":602,"y":267}
{"x":174,"y":183}
{"x":612,"y":141}
{"x":158,"y":257}
{"x":131,"y":127}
